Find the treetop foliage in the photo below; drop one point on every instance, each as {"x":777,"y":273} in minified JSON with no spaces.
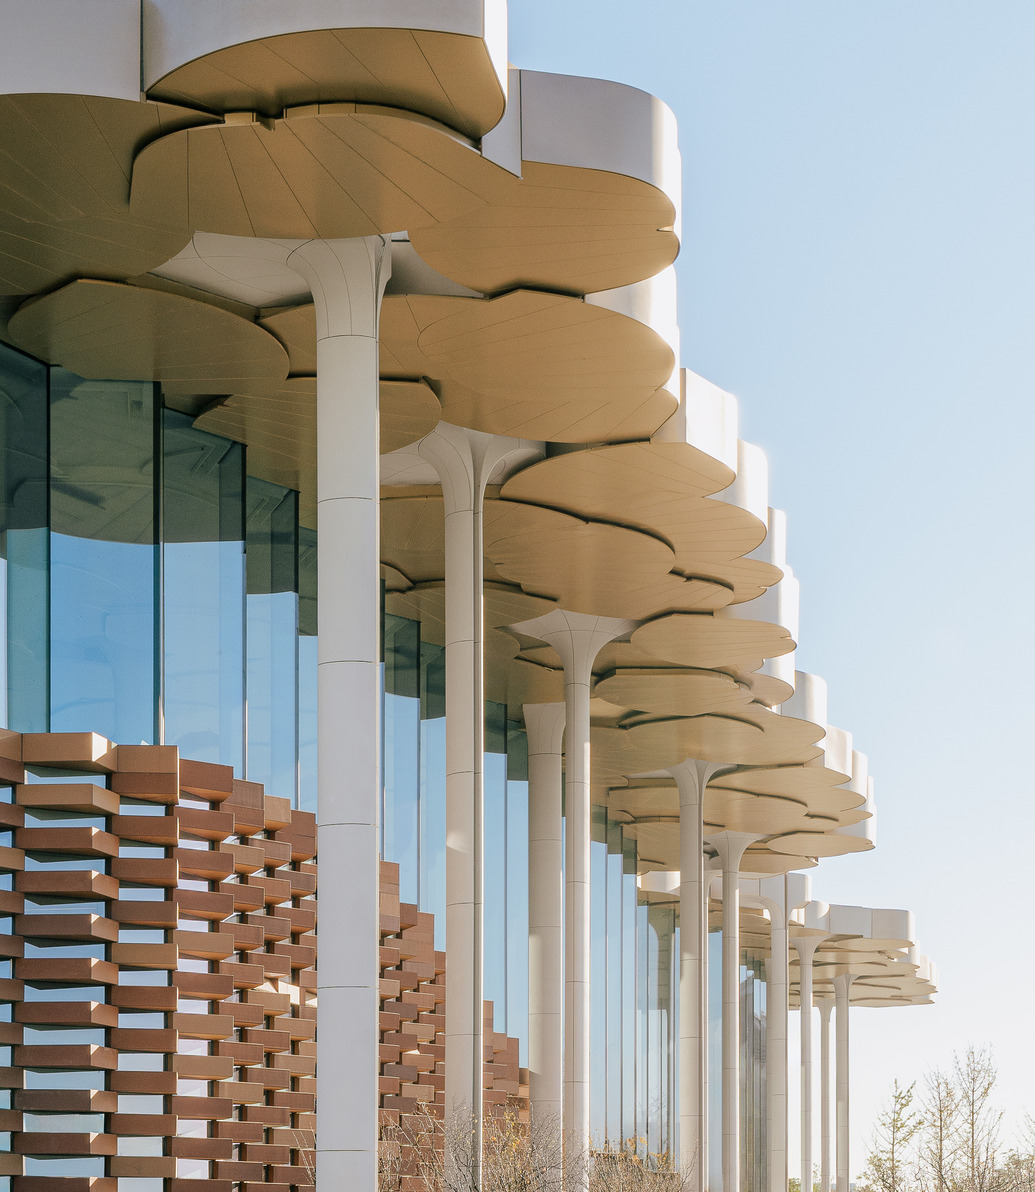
{"x":946,"y":1136}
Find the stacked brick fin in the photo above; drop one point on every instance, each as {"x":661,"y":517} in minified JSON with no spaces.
{"x":413,"y":1052}
{"x":201,"y":1013}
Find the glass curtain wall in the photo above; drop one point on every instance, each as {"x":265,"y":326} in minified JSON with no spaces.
{"x":273,"y":638}
{"x":413,"y":813}
{"x":307,"y":668}
{"x":634,"y":977}
{"x":150,"y":590}
{"x":24,"y":542}
{"x":104,"y":617}
{"x":632,"y":999}
{"x":203,"y":589}
{"x":753,"y":1110}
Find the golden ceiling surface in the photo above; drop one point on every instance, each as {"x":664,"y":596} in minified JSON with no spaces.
{"x":702,"y":640}
{"x":548,"y":366}
{"x":104,"y":330}
{"x":587,"y":567}
{"x":672,"y":691}
{"x":662,"y":488}
{"x":330,"y":170}
{"x":67,"y":161}
{"x":447,"y":76}
{"x":279,"y":427}
{"x":526,"y":364}
{"x":557,"y":227}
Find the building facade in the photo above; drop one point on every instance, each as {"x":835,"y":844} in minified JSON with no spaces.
{"x":354,"y":504}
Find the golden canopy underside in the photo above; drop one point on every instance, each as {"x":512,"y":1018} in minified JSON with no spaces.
{"x":526,"y":364}
{"x":447,"y":76}
{"x":333,"y":170}
{"x":107,"y":331}
{"x":701,"y":640}
{"x":559,"y":228}
{"x":66,"y":162}
{"x":663,"y":489}
{"x":279,"y":427}
{"x":590,"y":567}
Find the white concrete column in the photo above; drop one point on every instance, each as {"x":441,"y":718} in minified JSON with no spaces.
{"x":544,"y":724}
{"x":711,"y":878}
{"x":692,"y":777}
{"x":824,"y":1005}
{"x":842,"y":996}
{"x":806,"y":946}
{"x":347,"y":279}
{"x":731,"y":847}
{"x":776,"y":1050}
{"x":776,"y":1055}
{"x":577,"y":638}
{"x":465,"y":461}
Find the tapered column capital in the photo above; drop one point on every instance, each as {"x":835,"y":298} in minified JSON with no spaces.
{"x":780,"y":895}
{"x":842,"y":985}
{"x":467,"y":460}
{"x":347,"y":279}
{"x":544,"y":727}
{"x":731,"y":847}
{"x":577,"y":637}
{"x":692,"y":777}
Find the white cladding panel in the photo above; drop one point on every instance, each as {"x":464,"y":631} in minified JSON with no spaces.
{"x":70,"y":47}
{"x":178,"y":31}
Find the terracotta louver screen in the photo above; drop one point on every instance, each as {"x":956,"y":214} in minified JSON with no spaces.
{"x":160,"y":920}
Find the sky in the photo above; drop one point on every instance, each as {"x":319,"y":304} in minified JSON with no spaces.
{"x":858,"y":268}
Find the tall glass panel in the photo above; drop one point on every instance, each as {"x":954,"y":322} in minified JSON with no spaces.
{"x":598,"y":975}
{"x":656,"y":1037}
{"x":752,"y":1085}
{"x":673,"y":1094}
{"x":613,"y":1011}
{"x":400,"y":726}
{"x":203,"y":592}
{"x":663,"y":924}
{"x":272,"y":637}
{"x":628,"y":1039}
{"x":433,"y":786}
{"x":517,"y":888}
{"x":104,"y":565}
{"x":642,"y":1020}
{"x":495,"y":863}
{"x":307,"y":668}
{"x":715,"y":1059}
{"x":24,"y":544}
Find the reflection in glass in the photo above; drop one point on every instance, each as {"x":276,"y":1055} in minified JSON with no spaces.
{"x":203,"y":592}
{"x":598,"y":975}
{"x":103,"y":627}
{"x":400,"y":811}
{"x":495,"y":865}
{"x":433,"y":786}
{"x":517,"y":888}
{"x":272,"y":537}
{"x":24,"y":548}
{"x":715,"y":1058}
{"x":307,"y":669}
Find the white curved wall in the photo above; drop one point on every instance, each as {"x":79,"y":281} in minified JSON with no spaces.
{"x":809,"y":701}
{"x":750,"y":492}
{"x":651,"y":302}
{"x":178,"y":31}
{"x":70,"y":47}
{"x":707,"y":419}
{"x":596,"y":124}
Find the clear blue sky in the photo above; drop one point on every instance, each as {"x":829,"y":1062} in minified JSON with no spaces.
{"x":858,"y":267}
